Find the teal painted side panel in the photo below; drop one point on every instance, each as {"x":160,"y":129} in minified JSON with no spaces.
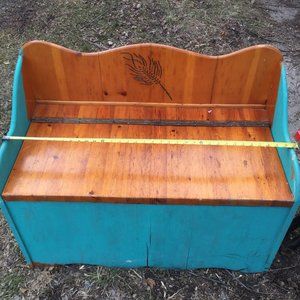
{"x":288,"y":157}
{"x":18,"y":126}
{"x":171,"y":236}
{"x":9,"y":150}
{"x":280,"y":133}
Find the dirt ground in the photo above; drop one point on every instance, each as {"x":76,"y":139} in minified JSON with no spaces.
{"x":209,"y":27}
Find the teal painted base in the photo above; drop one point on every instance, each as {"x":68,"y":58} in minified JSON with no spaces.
{"x":168,"y":236}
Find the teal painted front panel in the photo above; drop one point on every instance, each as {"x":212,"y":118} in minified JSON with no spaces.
{"x":132,"y":235}
{"x":241,"y":237}
{"x":233,"y":237}
{"x":62,"y":233}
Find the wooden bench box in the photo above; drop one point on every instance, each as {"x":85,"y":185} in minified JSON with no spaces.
{"x":131,"y":205}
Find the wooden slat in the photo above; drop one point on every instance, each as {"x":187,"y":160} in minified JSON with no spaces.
{"x":177,"y":174}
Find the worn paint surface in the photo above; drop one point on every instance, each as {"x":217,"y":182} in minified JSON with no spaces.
{"x":170,"y":236}
{"x":173,"y":236}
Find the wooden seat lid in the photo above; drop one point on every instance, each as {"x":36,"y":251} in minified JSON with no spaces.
{"x":53,"y":171}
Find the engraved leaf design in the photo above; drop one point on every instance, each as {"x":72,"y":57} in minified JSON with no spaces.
{"x":145,"y":71}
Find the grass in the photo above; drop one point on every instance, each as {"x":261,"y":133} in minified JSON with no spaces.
{"x":10,"y":285}
{"x":103,"y":277}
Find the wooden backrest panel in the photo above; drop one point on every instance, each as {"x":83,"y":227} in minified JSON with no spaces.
{"x":249,"y":76}
{"x":150,"y":73}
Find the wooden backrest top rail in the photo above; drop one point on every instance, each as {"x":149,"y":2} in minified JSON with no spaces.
{"x":151,"y":73}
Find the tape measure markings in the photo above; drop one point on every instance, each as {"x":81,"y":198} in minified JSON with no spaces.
{"x":157,"y":141}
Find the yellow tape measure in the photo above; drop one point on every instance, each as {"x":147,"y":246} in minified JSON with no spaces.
{"x":156,"y":141}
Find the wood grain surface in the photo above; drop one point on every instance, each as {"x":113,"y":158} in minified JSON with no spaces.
{"x":148,"y":173}
{"x":146,"y":73}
